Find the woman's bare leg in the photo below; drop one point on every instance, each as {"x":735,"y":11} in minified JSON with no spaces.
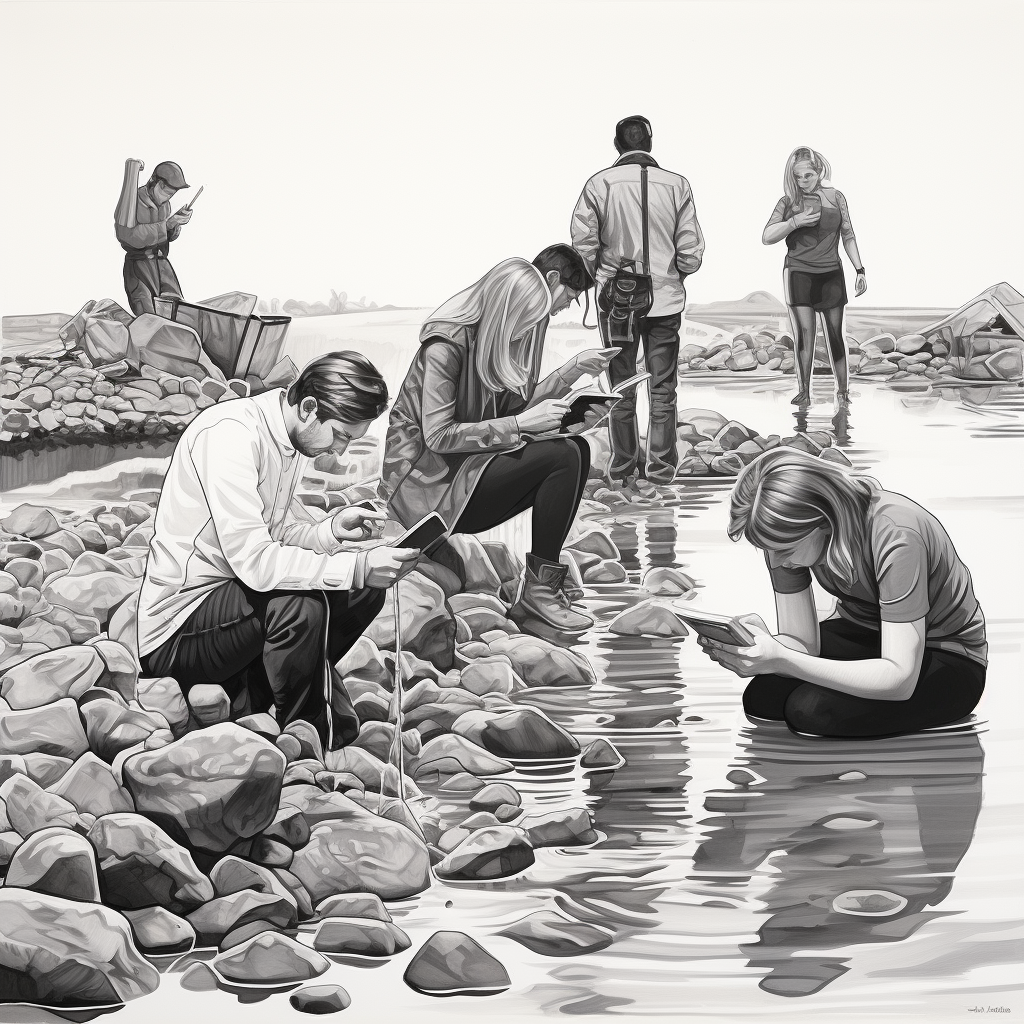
{"x":837,"y":349}
{"x":802,"y":319}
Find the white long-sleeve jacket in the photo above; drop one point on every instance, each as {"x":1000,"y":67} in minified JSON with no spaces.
{"x":228,"y":510}
{"x":607,"y":227}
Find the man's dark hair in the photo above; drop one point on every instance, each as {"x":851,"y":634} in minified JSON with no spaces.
{"x":633,"y":133}
{"x":346,"y":386}
{"x":571,"y":266}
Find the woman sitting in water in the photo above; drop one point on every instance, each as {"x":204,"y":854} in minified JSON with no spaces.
{"x":460,"y":438}
{"x":906,"y":650}
{"x":811,"y":218}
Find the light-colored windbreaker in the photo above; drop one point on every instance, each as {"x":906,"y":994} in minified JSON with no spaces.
{"x":607,"y":227}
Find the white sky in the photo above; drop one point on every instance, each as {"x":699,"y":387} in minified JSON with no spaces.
{"x":398,"y":150}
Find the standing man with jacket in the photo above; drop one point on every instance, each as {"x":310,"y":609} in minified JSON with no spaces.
{"x":608,"y":231}
{"x":147,"y":270}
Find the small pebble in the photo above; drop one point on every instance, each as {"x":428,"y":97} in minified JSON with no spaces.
{"x":693,"y":718}
{"x":852,"y":777}
{"x":320,"y":999}
{"x":739,"y":777}
{"x":448,"y":904}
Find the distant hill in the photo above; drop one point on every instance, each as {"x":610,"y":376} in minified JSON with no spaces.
{"x":755,"y":302}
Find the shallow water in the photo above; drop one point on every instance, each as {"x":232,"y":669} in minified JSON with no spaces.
{"x":719,"y":897}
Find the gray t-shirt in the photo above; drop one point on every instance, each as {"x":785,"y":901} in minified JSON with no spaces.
{"x":908,"y":570}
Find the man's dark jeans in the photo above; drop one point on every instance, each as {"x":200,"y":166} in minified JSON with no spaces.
{"x":660,"y":336}
{"x":269,"y":648}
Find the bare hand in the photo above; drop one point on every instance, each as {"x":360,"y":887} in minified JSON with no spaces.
{"x":546,"y":415}
{"x":386,"y":566}
{"x":595,"y":360}
{"x":766,"y":655}
{"x":177,"y":220}
{"x":806,"y":218}
{"x":594,"y":417}
{"x":862,"y":284}
{"x":358,"y":523}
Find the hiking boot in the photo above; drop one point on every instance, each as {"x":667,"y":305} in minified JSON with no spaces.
{"x":543,"y":599}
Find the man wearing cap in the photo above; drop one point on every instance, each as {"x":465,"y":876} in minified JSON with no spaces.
{"x":147,"y":271}
{"x":608,"y":231}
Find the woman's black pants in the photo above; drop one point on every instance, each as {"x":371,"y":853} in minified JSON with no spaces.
{"x":268,"y":648}
{"x":948,"y":688}
{"x":547,"y":476}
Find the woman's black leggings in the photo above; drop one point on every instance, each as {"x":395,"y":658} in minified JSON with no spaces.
{"x":548,"y":476}
{"x":948,"y":688}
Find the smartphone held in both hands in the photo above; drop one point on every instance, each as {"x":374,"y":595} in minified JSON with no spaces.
{"x":724,"y":629}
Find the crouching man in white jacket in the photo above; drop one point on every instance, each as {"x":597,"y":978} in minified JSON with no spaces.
{"x":243,"y":587}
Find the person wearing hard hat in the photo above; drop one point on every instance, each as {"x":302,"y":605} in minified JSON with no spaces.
{"x":147,"y":271}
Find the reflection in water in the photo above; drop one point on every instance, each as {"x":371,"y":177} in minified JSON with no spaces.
{"x":832,"y":816}
{"x":804,"y":420}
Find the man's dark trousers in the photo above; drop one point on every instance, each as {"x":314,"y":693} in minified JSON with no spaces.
{"x":660,"y":336}
{"x":268,"y":648}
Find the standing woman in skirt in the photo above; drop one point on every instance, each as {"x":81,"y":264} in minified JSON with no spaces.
{"x":811,"y":218}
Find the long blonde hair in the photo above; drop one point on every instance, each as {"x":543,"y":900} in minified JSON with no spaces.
{"x":789,"y":183}
{"x":508,"y":304}
{"x":786,"y":494}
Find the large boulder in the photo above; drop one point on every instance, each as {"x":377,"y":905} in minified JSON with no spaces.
{"x":270,"y":959}
{"x":142,"y":866}
{"x":540,"y":663}
{"x":428,"y":626}
{"x":211,"y":787}
{"x":362,"y":853}
{"x":451,"y":963}
{"x":176,"y":348}
{"x":56,"y":861}
{"x":91,"y":786}
{"x":360,"y":936}
{"x":572,"y":827}
{"x":52,"y":676}
{"x":57,"y":952}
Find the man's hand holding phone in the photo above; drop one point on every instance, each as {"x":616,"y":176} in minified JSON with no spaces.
{"x":385,"y":566}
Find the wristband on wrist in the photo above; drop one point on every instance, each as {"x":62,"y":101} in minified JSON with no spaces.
{"x":860,"y":270}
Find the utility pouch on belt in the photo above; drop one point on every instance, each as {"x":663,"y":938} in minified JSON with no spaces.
{"x":629,"y":292}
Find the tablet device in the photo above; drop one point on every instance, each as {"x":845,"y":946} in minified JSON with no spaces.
{"x":427,"y":532}
{"x":722,"y":628}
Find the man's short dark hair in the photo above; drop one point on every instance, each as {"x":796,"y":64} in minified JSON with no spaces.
{"x":633,"y":133}
{"x":571,"y":266}
{"x":346,"y":386}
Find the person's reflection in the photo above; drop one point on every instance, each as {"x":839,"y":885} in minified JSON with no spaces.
{"x":800,"y":416}
{"x":900,"y":823}
{"x":841,"y":425}
{"x":661,"y":538}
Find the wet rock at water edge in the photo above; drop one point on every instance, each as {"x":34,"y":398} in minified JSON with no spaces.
{"x":58,"y":862}
{"x":212,"y":787}
{"x":869,"y":903}
{"x":553,"y":935}
{"x":451,"y":963}
{"x":57,"y":952}
{"x":649,"y":618}
{"x":450,"y":755}
{"x":158,"y":932}
{"x":270,"y":958}
{"x":600,"y":755}
{"x":360,"y":936}
{"x":215,"y":919}
{"x":363,"y":853}
{"x":353,"y":904}
{"x":493,"y":852}
{"x":493,"y":796}
{"x":572,"y":827}
{"x":663,"y":581}
{"x":320,"y":999}
{"x":199,"y":977}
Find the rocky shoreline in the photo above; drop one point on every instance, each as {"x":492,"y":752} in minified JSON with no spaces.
{"x":767,"y":350}
{"x":135,"y":824}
